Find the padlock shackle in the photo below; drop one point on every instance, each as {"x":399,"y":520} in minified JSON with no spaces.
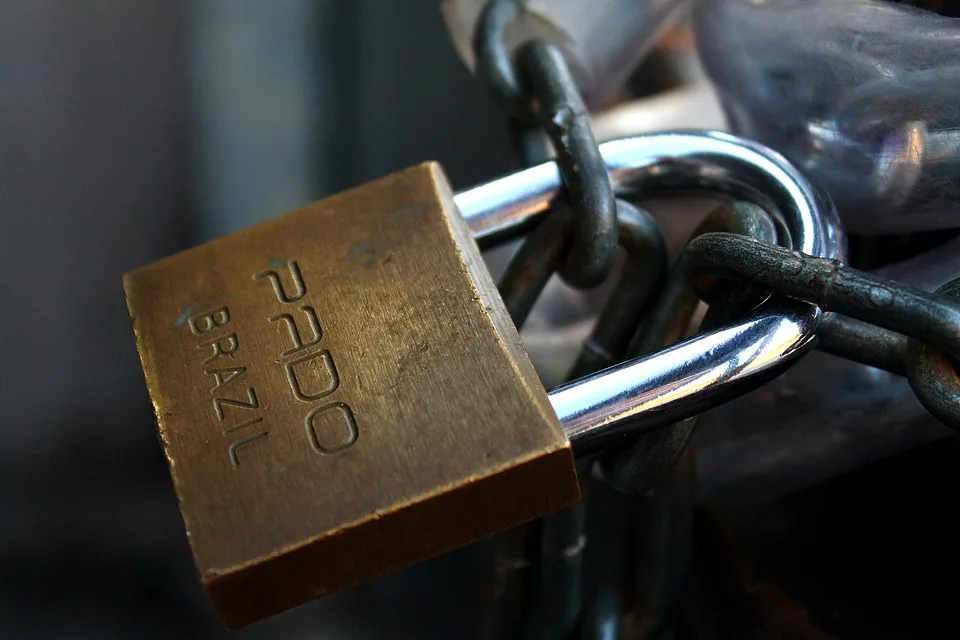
{"x":704,"y":371}
{"x":684,"y":380}
{"x":650,"y":164}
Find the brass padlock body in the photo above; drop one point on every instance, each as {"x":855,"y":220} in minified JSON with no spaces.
{"x":339,"y":393}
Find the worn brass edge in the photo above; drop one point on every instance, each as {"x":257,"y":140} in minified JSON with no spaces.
{"x":508,"y":337}
{"x":147,"y":364}
{"x":212,"y":575}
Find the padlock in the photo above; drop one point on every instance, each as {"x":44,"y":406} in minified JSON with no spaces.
{"x":339,"y":391}
{"x":314,"y":381}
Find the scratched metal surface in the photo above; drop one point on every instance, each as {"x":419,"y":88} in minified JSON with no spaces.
{"x":358,"y":405}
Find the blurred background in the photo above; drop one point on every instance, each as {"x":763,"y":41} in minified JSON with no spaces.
{"x":131,"y":130}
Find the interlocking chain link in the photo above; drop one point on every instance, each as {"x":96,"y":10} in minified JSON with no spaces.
{"x":737,"y":258}
{"x":538,"y":86}
{"x":642,"y":466}
{"x":554,"y":549}
{"x":578,"y":240}
{"x":881,"y":323}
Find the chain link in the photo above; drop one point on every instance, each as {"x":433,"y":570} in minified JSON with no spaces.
{"x":578,"y":240}
{"x":538,"y":86}
{"x":643,"y":466}
{"x":554,"y":605}
{"x":881,"y":322}
{"x":736,"y":259}
{"x":493,"y":61}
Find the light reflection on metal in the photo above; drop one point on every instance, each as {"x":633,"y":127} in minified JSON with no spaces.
{"x":708,"y":369}
{"x":681,"y":381}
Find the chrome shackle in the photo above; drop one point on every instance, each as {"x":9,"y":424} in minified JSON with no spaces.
{"x":697,"y":374}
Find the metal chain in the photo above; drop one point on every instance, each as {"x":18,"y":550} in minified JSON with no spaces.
{"x":536,"y":587}
{"x":659,"y":468}
{"x":538,"y":574}
{"x":642,"y":466}
{"x":538,"y":87}
{"x":494,"y":64}
{"x":554,"y":546}
{"x":875,"y":310}
{"x":881,"y":323}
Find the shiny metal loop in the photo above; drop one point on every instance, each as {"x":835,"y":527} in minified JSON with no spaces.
{"x":688,"y":378}
{"x":564,"y":118}
{"x":493,"y":63}
{"x":933,"y":374}
{"x":643,"y":465}
{"x":624,"y":401}
{"x":700,"y":160}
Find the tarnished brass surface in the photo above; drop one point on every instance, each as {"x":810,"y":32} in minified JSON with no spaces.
{"x":340,"y":393}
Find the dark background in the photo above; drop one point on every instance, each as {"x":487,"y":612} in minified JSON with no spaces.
{"x":128,"y":131}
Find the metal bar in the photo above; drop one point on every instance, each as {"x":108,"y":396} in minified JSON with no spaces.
{"x":684,"y":380}
{"x":703,"y":161}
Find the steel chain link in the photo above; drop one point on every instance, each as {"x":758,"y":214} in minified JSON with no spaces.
{"x":882,"y":323}
{"x":737,"y":258}
{"x":538,"y":86}
{"x":876,"y":321}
